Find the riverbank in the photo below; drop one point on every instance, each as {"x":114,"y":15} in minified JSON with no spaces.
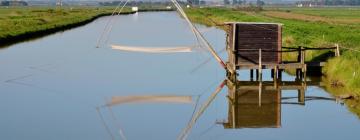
{"x":341,"y":72}
{"x":24,"y":23}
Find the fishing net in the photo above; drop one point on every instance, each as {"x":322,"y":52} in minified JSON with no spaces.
{"x":153,"y":49}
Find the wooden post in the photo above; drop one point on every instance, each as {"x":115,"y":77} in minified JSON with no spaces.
{"x":280,"y":74}
{"x":260,"y":92}
{"x":251,"y":74}
{"x":337,"y":50}
{"x":301,"y":96}
{"x":301,"y":93}
{"x":275,"y":76}
{"x":298,"y":71}
{"x":299,"y":53}
{"x":260,"y":65}
{"x":297,"y":74}
{"x":303,"y":70}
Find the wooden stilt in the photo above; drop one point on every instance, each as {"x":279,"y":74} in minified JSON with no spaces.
{"x":251,"y":74}
{"x":297,"y":74}
{"x":303,"y":69}
{"x":301,"y":96}
{"x":260,"y":92}
{"x":280,"y":74}
{"x":275,"y":76}
{"x":337,"y":50}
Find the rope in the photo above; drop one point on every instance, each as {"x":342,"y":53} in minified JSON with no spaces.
{"x":325,"y":48}
{"x":205,"y":62}
{"x":185,"y":132}
{"x":289,"y":48}
{"x":104,"y":123}
{"x":199,"y":35}
{"x":121,"y":132}
{"x":111,"y":25}
{"x":107,"y":24}
{"x":153,"y":49}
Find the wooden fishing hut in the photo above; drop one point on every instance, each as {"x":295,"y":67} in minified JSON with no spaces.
{"x":257,"y":46}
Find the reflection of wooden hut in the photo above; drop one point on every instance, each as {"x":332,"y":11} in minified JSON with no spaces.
{"x":254,"y":107}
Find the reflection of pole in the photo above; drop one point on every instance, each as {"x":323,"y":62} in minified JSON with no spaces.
{"x":104,"y":123}
{"x":202,"y":109}
{"x":301,"y":94}
{"x":279,"y":94}
{"x":260,"y":91}
{"x":121,"y":132}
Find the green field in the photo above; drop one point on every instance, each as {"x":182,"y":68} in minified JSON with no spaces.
{"x":15,"y":21}
{"x":338,"y":12}
{"x":311,"y":27}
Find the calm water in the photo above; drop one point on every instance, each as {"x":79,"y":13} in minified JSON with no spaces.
{"x":62,"y":87}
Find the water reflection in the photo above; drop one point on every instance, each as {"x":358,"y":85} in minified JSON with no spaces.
{"x":120,"y":100}
{"x":256,"y":104}
{"x":117,"y":100}
{"x":251,"y":104}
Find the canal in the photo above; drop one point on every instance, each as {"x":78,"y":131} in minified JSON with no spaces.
{"x":62,"y":87}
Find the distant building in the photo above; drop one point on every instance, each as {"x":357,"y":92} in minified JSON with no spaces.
{"x":134,"y":9}
{"x":13,"y":3}
{"x":308,"y":4}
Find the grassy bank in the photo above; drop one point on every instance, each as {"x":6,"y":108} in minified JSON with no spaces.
{"x":22,"y":23}
{"x":313,"y":27}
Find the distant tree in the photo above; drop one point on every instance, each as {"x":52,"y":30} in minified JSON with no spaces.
{"x":226,"y":2}
{"x":341,"y":2}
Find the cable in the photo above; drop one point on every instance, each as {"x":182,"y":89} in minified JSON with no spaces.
{"x":107,"y":24}
{"x":111,"y":25}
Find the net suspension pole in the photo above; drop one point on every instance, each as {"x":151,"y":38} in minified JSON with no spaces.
{"x":198,"y":34}
{"x":107,"y":25}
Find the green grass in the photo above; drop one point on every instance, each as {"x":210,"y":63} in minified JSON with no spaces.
{"x":15,"y":21}
{"x":306,"y":33}
{"x":336,"y":12}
